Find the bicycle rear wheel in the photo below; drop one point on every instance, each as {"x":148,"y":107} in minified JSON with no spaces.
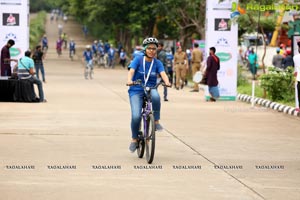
{"x":150,"y":139}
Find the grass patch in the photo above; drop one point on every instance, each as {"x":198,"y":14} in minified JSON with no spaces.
{"x":246,"y":88}
{"x":37,"y":29}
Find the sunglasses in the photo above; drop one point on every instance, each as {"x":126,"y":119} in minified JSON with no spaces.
{"x":151,"y":49}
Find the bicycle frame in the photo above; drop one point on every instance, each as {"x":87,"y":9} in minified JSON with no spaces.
{"x":147,"y":110}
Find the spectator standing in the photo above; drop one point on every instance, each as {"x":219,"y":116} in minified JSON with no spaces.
{"x":25,"y":71}
{"x":111,"y":56}
{"x":296,"y":59}
{"x":277,"y":59}
{"x":213,"y":65}
{"x":181,"y":67}
{"x":170,"y":59}
{"x":123,"y":58}
{"x":282,"y":49}
{"x":5,"y":58}
{"x":44,"y":44}
{"x":38,"y":57}
{"x":246,"y":57}
{"x":252,"y":58}
{"x":189,"y":59}
{"x":288,"y":60}
{"x":241,"y":59}
{"x":197,"y":58}
{"x":137,"y":52}
{"x":162,"y":56}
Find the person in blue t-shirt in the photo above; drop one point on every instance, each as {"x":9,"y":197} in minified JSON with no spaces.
{"x":111,"y":57}
{"x":146,"y":68}
{"x":137,"y":52}
{"x":44,"y":44}
{"x":72,"y":48}
{"x":88,"y":59}
{"x":123,"y":57}
{"x":170,"y":59}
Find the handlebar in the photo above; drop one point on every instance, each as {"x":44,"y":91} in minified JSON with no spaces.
{"x":139,"y":82}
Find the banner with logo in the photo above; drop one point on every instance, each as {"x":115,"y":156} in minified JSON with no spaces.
{"x":223,"y":35}
{"x":14,"y":24}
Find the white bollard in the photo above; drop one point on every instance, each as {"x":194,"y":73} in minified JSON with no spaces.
{"x":253,"y":94}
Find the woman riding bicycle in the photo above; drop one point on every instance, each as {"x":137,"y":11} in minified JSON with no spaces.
{"x":145,"y":68}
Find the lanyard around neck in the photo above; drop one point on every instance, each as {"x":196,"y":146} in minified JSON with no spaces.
{"x":149,"y":72}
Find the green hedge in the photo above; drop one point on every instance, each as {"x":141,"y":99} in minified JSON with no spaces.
{"x":37,"y":29}
{"x":279,"y":84}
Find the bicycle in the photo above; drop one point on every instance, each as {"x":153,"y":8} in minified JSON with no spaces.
{"x":146,"y":136}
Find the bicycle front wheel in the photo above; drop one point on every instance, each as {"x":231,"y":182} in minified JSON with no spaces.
{"x":150,"y":139}
{"x":141,"y":141}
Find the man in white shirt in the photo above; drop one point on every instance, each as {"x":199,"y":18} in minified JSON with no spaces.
{"x":296,"y":59}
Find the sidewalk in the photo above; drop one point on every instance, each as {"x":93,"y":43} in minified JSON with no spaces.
{"x":75,"y":146}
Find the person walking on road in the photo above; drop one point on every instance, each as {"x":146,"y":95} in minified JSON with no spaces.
{"x":5,"y":58}
{"x":213,"y":65}
{"x":181,"y":67}
{"x":197,"y":58}
{"x":145,"y":68}
{"x":88,"y":60}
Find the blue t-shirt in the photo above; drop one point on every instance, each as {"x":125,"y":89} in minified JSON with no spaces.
{"x":170,"y":58}
{"x":94,"y":48}
{"x":137,"y":65}
{"x":100,"y":50}
{"x":137,"y":53}
{"x":88,"y":55}
{"x":122,"y":55}
{"x":24,"y":66}
{"x":72,"y":46}
{"x":45,"y":42}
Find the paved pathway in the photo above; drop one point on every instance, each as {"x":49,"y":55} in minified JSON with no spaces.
{"x":75,"y":146}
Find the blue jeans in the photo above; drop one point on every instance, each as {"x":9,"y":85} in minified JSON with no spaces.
{"x":214,"y":91}
{"x":38,"y":82}
{"x":38,"y":67}
{"x":5,"y":71}
{"x":136,"y":103}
